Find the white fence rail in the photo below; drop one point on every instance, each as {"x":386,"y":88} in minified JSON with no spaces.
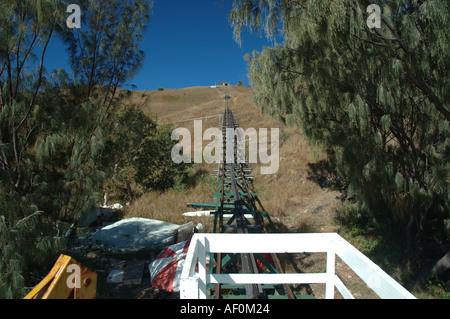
{"x":194,"y":277}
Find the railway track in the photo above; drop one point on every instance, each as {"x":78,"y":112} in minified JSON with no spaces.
{"x":236,"y":198}
{"x":238,"y":209}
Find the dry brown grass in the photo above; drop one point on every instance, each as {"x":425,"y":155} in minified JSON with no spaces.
{"x":170,"y":205}
{"x":289,"y":195}
{"x":294,"y":200}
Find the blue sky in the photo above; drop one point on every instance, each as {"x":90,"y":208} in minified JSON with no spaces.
{"x":188,"y":43}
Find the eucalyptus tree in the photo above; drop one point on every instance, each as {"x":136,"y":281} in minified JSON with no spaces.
{"x":377,"y":99}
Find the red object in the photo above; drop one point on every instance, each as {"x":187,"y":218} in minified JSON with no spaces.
{"x":165,"y":270}
{"x":267,"y":257}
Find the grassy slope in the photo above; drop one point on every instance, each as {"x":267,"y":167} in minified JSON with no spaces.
{"x":290,"y":195}
{"x":293,"y":196}
{"x":294,"y":200}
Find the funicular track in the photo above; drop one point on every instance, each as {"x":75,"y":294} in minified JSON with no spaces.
{"x":238,"y":268}
{"x":245,"y":214}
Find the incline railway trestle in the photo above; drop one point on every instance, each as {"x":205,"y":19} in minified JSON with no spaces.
{"x":235,"y":198}
{"x":213,"y":269}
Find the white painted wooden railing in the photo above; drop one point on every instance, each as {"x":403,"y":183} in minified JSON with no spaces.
{"x":194,"y":281}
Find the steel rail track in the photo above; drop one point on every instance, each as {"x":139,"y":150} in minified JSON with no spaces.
{"x":248,"y":260}
{"x":232,"y":174}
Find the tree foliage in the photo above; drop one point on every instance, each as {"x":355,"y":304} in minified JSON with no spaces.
{"x":155,"y":168}
{"x":105,"y":51}
{"x":130,"y":127}
{"x":54,"y":128}
{"x":377,"y":99}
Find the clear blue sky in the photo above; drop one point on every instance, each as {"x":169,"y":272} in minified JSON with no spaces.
{"x":188,"y":43}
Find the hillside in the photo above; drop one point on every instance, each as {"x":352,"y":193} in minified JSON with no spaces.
{"x":296,"y":197}
{"x":292,"y":195}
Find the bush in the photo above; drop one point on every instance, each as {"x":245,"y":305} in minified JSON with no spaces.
{"x":153,"y":162}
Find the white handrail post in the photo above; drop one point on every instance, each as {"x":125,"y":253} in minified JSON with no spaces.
{"x":331,"y":270}
{"x":202,"y":267}
{"x":189,"y":281}
{"x":189,"y":288}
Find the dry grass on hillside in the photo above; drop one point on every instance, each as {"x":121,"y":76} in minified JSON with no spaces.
{"x":179,"y":104}
{"x":170,"y":205}
{"x":290,"y":195}
{"x":293,"y":197}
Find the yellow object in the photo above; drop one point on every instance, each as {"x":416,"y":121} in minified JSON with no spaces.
{"x":68,"y":279}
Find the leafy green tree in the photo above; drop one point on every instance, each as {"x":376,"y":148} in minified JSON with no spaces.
{"x":377,"y":99}
{"x":153,"y":162}
{"x":53,"y":129}
{"x":130,"y":127}
{"x":27,"y":245}
{"x":26,"y":28}
{"x":105,"y":50}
